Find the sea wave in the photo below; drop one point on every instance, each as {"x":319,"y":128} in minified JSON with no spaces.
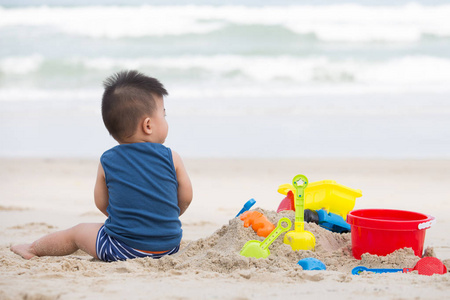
{"x":290,"y":70}
{"x":330,"y":23}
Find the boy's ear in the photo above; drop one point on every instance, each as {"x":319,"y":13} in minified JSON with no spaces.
{"x":147,"y":126}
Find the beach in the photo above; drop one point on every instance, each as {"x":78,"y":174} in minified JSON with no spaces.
{"x":39,"y":196}
{"x":354,"y":91}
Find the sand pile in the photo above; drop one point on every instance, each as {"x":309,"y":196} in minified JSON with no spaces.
{"x":218,"y":255}
{"x":220,"y":251}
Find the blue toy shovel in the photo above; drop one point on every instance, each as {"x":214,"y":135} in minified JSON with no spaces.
{"x":246,"y":207}
{"x":425,"y":266}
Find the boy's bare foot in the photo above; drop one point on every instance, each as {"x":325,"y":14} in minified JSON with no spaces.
{"x":23,"y":250}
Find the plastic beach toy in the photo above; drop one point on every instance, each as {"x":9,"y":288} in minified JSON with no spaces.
{"x":259,"y":249}
{"x":382,"y":231}
{"x":325,"y":194}
{"x":311,"y":263}
{"x":332,"y":222}
{"x":326,"y":220}
{"x":258,"y":221}
{"x":425,"y":266}
{"x":288,"y":202}
{"x":331,"y":196}
{"x":299,"y":238}
{"x":246,"y":207}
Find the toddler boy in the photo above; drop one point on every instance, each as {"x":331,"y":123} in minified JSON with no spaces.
{"x":142,"y":186}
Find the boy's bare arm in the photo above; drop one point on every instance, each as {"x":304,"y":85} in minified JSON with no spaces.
{"x":101,"y":191}
{"x":184,"y":183}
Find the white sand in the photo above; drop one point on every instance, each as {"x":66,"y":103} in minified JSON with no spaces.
{"x":41,"y":196}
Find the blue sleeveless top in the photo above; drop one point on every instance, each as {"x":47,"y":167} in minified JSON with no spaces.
{"x":143,"y":196}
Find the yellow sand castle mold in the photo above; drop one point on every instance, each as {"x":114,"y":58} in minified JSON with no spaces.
{"x":328,"y":195}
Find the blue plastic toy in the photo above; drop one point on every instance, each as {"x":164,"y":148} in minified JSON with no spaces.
{"x":359,"y":270}
{"x":332,"y":222}
{"x":312,"y":263}
{"x":246,"y":207}
{"x":425,"y":266}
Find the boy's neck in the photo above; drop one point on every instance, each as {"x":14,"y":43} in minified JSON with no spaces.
{"x":136,"y":138}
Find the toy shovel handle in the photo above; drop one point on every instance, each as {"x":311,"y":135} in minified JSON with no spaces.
{"x":359,"y":270}
{"x":276,"y":233}
{"x":300,"y":182}
{"x":246,"y":207}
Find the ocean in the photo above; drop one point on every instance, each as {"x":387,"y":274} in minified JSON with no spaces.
{"x":246,"y":79}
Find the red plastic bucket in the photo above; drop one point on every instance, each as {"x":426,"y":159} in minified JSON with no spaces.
{"x":382,"y":231}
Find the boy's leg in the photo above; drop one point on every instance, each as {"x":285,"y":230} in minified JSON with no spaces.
{"x":82,"y":236}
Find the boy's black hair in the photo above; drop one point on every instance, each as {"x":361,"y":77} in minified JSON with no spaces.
{"x":128,"y":96}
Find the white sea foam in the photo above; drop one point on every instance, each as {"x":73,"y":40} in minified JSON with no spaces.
{"x":407,"y":71}
{"x":21,"y":64}
{"x":346,"y":22}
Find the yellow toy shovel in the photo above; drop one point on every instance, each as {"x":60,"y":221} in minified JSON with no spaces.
{"x":299,"y":238}
{"x":259,"y":249}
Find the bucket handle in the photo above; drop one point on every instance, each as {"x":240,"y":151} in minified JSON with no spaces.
{"x":426,"y":225}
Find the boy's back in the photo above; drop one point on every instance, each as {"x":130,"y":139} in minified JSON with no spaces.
{"x":143,"y":204}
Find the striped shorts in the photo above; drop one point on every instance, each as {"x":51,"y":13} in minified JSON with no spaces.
{"x":110,"y":249}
